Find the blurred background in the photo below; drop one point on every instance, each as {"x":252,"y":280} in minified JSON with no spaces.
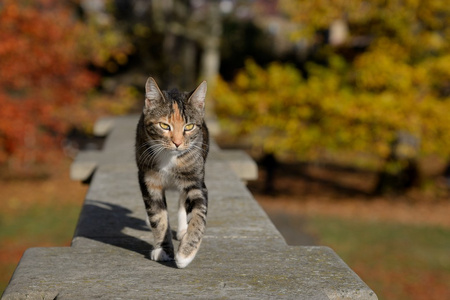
{"x":343,"y":104}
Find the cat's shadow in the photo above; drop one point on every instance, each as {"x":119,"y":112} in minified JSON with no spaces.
{"x":110,"y":224}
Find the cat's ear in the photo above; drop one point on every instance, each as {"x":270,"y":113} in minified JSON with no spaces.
{"x":153,"y":94}
{"x":198,"y":96}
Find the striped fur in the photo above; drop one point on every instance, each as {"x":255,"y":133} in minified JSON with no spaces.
{"x":172,"y":144}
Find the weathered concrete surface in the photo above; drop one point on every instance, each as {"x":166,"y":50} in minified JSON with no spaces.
{"x":241,"y":163}
{"x":223,"y":268}
{"x":242,"y":255}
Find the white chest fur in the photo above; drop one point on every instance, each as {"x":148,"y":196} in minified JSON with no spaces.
{"x":166,"y":162}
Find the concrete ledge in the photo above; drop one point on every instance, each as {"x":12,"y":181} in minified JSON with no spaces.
{"x":258,"y":273}
{"x":104,"y":126}
{"x":243,"y":256}
{"x":241,"y":163}
{"x":84,"y":165}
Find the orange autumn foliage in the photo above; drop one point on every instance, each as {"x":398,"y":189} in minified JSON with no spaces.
{"x":43,"y":77}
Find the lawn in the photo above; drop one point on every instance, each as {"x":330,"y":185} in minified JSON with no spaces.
{"x":397,"y":261}
{"x":37,"y":213}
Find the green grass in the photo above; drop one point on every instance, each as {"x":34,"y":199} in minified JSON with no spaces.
{"x":37,"y":226}
{"x":41,"y":224}
{"x":396,"y":261}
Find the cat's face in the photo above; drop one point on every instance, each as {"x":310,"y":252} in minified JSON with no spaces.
{"x":173,"y":119}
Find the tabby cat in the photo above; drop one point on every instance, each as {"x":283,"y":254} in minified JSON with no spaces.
{"x":172,"y":143}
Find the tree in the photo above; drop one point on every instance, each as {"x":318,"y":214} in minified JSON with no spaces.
{"x":44,"y":78}
{"x":388,"y":75}
{"x":185,"y":24}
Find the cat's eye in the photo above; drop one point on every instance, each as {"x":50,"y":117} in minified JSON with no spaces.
{"x":164,"y":126}
{"x":189,"y":127}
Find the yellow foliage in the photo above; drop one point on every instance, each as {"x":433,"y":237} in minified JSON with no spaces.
{"x":399,"y":83}
{"x":104,"y":44}
{"x":288,"y":114}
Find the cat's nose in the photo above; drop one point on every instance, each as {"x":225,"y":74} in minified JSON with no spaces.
{"x":177,"y":144}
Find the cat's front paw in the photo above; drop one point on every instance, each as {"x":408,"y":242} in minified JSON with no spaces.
{"x":159,"y":254}
{"x":182,"y":261}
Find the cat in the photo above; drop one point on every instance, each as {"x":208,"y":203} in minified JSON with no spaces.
{"x":172,"y":143}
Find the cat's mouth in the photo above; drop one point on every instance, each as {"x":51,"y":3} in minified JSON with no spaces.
{"x":178,"y":150}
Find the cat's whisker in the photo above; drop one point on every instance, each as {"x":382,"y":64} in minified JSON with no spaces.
{"x":156,"y":154}
{"x":198,"y":148}
{"x":143,"y":145}
{"x":195,"y":155}
{"x":147,"y":152}
{"x":150,"y":152}
{"x":153,"y":154}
